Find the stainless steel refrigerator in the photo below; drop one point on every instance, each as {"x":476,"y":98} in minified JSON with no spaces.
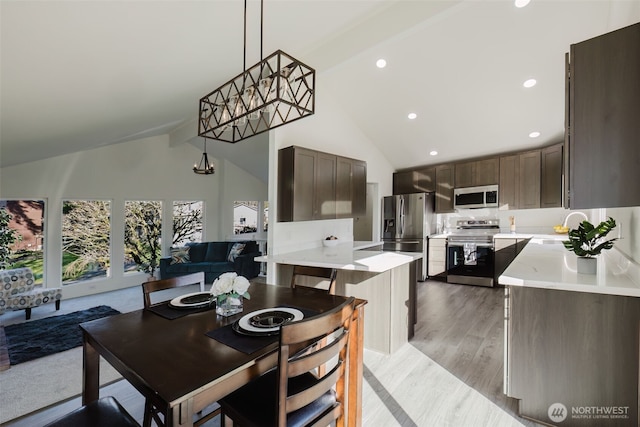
{"x":407,"y":222}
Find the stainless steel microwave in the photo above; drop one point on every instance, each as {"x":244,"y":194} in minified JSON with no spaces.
{"x":475,"y":197}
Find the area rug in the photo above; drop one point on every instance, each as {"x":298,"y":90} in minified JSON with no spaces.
{"x":31,"y":340}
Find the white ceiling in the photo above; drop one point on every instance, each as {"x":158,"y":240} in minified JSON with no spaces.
{"x":76,"y":75}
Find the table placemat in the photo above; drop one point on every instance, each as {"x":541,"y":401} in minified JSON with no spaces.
{"x":243,"y":343}
{"x":248,"y":344}
{"x":168,"y":312}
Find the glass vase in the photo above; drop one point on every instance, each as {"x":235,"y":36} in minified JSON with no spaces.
{"x":228,"y":304}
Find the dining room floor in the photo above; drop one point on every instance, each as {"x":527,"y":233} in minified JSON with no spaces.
{"x":449,"y":374}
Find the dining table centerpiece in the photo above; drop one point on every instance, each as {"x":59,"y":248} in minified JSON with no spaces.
{"x":228,"y":291}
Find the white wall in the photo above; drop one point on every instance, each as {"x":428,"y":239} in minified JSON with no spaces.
{"x":145,"y":169}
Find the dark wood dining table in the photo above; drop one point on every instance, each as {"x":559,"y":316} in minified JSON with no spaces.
{"x":182,"y":370}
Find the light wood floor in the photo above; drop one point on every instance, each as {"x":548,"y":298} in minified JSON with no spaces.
{"x":450,"y":373}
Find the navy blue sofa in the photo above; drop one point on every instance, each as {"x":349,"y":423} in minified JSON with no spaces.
{"x":212,"y":258}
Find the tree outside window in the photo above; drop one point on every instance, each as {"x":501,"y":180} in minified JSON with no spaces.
{"x":187,"y":222}
{"x":21,"y":231}
{"x":22,"y":236}
{"x":86,"y":237}
{"x":142,"y":232}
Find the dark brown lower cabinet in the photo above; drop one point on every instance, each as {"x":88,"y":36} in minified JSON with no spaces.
{"x":572,"y":358}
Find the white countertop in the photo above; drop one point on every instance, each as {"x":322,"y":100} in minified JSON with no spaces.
{"x":558,"y":237}
{"x":547,"y":264}
{"x":512,"y":236}
{"x":346,"y":256}
{"x":439,"y":236}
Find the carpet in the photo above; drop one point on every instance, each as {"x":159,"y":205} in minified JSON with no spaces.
{"x":31,"y":340}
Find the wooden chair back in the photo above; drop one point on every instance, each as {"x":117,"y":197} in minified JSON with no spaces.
{"x":328,"y":337}
{"x":320,"y":272}
{"x":174,"y":282}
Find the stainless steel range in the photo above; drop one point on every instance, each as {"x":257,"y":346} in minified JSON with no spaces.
{"x":470,"y":254}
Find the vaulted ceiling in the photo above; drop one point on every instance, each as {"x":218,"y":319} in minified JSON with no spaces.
{"x":77,"y":75}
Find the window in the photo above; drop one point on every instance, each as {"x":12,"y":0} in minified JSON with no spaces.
{"x":86,"y":239}
{"x":142,"y":232}
{"x":246,"y":218}
{"x":187,"y":222}
{"x":22,"y":236}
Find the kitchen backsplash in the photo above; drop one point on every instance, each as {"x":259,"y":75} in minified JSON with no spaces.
{"x":534,"y":221}
{"x":301,"y":235}
{"x":541,"y":221}
{"x":628,"y":220}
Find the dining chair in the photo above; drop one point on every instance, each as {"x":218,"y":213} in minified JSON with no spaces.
{"x":294,"y":394}
{"x":174,"y":282}
{"x":319,"y":272}
{"x":150,"y":412}
{"x":104,"y":412}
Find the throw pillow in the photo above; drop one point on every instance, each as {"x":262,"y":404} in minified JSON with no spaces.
{"x":180,"y":255}
{"x":236,"y":250}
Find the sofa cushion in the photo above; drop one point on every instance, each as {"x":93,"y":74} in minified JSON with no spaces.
{"x":180,"y":255}
{"x":197,"y":251}
{"x":195,"y":267}
{"x":235,"y":250}
{"x":251,"y":246}
{"x":216,"y":251}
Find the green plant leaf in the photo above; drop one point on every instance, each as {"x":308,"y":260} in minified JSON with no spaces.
{"x":587,"y":240}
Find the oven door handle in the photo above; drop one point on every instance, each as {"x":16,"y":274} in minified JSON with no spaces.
{"x":479,"y":245}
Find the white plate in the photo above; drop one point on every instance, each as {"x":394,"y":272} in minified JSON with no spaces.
{"x":247,"y":326}
{"x":178,"y":301}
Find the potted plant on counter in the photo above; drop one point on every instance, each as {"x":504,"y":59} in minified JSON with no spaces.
{"x":587,"y":241}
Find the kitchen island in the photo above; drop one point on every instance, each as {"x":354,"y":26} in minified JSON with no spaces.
{"x":572,"y":340}
{"x":385,"y":279}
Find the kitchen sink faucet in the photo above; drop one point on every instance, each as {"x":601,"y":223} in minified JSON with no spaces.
{"x":566,"y":219}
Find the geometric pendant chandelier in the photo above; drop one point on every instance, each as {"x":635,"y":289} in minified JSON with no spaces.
{"x":276,"y":91}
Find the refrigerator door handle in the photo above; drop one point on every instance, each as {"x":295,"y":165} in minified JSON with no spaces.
{"x":401,"y":216}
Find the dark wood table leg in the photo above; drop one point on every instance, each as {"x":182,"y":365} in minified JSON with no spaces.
{"x":356,"y":371}
{"x":90,"y":371}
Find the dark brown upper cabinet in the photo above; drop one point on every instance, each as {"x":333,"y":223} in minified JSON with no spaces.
{"x":351,"y":185}
{"x":445,"y":175}
{"x":520,"y":181}
{"x":602,"y":151}
{"x":551,"y":176}
{"x":421,"y":180}
{"x":313,"y":185}
{"x":478,"y":172}
{"x":508,"y":187}
{"x":529,"y":180}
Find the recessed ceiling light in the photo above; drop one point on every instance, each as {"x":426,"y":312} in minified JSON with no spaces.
{"x":412,"y":116}
{"x":529,"y":83}
{"x":521,"y":3}
{"x":381,"y":63}
{"x":433,"y":153}
{"x":534,"y":134}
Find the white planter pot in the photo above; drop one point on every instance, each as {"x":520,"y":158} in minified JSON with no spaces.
{"x":587,"y":265}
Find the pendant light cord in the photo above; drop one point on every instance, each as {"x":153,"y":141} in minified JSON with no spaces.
{"x":244,"y":52}
{"x":244,"y":55}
